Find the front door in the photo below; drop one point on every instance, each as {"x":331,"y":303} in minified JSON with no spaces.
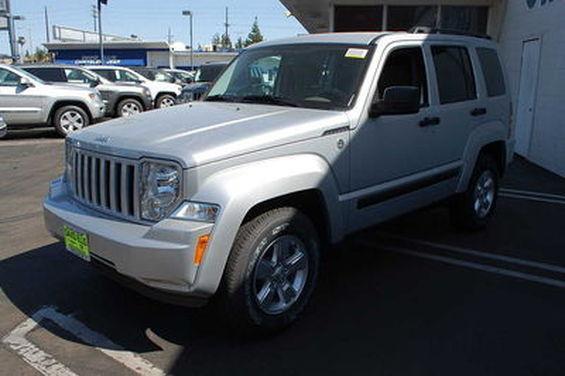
{"x":527,"y":95}
{"x":18,"y":104}
{"x":389,"y":147}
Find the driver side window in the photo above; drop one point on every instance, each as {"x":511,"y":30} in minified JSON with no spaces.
{"x":8,"y":78}
{"x":404,"y":67}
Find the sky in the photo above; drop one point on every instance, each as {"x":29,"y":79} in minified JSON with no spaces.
{"x":151,"y":19}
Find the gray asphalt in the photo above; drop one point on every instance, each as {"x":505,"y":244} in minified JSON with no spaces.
{"x":408,"y":297}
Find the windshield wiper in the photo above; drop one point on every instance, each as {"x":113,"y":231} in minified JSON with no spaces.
{"x":220,"y":98}
{"x":269,"y":99}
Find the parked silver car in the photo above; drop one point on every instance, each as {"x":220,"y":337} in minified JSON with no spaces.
{"x":26,"y":100}
{"x":299,"y":143}
{"x":120,"y":99}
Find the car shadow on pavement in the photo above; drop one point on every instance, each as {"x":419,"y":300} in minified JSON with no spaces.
{"x":372,"y":312}
{"x":31,"y":134}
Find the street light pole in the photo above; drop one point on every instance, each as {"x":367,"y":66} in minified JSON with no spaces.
{"x":100,"y":37}
{"x":189,"y":14}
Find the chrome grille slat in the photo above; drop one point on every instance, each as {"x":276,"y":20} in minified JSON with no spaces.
{"x":106,"y":183}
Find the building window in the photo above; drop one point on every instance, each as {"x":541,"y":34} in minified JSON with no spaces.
{"x":465,"y":18}
{"x":406,"y":17}
{"x":358,"y":18}
{"x":454,"y":72}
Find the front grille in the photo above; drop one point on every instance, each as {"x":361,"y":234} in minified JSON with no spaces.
{"x":106,"y":183}
{"x":197,"y":96}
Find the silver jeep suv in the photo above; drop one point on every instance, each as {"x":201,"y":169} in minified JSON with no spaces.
{"x":26,"y":100}
{"x":297,"y":144}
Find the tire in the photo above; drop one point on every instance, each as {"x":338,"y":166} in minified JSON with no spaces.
{"x":68,"y":119}
{"x":128,"y":107}
{"x":252,"y":273}
{"x":473,"y":209}
{"x":165,"y":100}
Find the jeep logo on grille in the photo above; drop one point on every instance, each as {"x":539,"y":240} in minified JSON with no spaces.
{"x":102,"y":139}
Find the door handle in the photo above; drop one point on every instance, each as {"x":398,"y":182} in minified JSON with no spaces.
{"x":426,"y":122}
{"x":479,"y":112}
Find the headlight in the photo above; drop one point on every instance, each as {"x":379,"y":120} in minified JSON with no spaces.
{"x":68,"y":161}
{"x":160,"y":189}
{"x":197,"y":211}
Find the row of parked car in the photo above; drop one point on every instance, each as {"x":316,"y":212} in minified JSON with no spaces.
{"x":69,"y":97}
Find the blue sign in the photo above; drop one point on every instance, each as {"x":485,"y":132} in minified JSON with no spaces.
{"x":125,"y":57}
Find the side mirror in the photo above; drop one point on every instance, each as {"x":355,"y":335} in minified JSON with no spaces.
{"x":26,"y":82}
{"x":397,"y":100}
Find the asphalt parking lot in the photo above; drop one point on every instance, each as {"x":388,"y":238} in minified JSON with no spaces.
{"x":410,"y":297}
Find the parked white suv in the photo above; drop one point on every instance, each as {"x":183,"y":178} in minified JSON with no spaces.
{"x":299,"y":143}
{"x":163,"y":93}
{"x":26,"y":100}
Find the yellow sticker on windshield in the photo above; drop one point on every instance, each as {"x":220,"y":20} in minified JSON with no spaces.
{"x":356,"y":53}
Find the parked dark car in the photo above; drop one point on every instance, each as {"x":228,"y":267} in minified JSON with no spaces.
{"x":120,"y":99}
{"x":205,"y":76}
{"x":183,"y":77}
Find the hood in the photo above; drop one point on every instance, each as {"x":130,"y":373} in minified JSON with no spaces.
{"x":204,"y":132}
{"x":196,"y":87}
{"x":70,"y":87}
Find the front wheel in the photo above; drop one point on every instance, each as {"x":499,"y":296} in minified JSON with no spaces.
{"x":165,"y":101}
{"x":128,"y":107}
{"x":69,"y":119}
{"x":271,"y":271}
{"x":472,"y":209}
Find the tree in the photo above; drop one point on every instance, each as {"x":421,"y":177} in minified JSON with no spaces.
{"x":255,"y":35}
{"x":226,"y":42}
{"x":239,"y":44}
{"x":216,"y":40}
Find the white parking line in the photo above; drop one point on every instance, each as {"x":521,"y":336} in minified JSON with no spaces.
{"x":469,"y":264}
{"x":487,"y":255}
{"x":532,"y":196}
{"x":532,"y":193}
{"x":48,"y":365}
{"x":31,"y":354}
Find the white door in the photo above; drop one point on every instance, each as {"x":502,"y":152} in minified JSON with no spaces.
{"x":527,"y":95}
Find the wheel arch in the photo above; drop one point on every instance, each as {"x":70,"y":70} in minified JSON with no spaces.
{"x":302,"y":181}
{"x":57,"y":105}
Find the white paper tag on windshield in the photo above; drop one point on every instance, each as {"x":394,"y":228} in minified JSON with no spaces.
{"x":356,"y":53}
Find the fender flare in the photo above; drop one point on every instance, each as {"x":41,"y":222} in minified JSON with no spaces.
{"x":481,"y":136}
{"x":240,"y":188}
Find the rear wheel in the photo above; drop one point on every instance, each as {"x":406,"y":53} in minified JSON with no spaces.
{"x":165,"y":100}
{"x":69,"y":119}
{"x":129,"y":107}
{"x":473,"y":209}
{"x":271,"y":271}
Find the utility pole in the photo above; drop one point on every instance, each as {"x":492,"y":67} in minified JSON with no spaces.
{"x":94,"y":17}
{"x":189,"y":14}
{"x":10,"y":18}
{"x":46,"y":25}
{"x":227,"y":25}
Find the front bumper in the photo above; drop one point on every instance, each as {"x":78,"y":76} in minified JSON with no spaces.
{"x":147,"y":103}
{"x":97,"y":110}
{"x":156,"y":258}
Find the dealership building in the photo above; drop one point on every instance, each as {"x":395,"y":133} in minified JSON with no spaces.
{"x":531,"y":34}
{"x":157,"y":54}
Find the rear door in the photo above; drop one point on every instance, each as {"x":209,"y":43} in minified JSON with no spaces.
{"x":457,"y":102}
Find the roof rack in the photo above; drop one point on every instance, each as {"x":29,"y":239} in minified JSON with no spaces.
{"x":435,"y":30}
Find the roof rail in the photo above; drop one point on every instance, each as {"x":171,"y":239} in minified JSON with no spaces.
{"x":435,"y":30}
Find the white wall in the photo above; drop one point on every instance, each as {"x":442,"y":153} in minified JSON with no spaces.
{"x":547,"y":22}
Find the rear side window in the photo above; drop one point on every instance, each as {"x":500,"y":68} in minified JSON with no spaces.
{"x":106,"y":73}
{"x":492,"y":70}
{"x":48,"y":74}
{"x":454,"y":72}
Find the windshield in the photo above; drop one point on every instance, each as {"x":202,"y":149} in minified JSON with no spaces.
{"x":310,"y":76}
